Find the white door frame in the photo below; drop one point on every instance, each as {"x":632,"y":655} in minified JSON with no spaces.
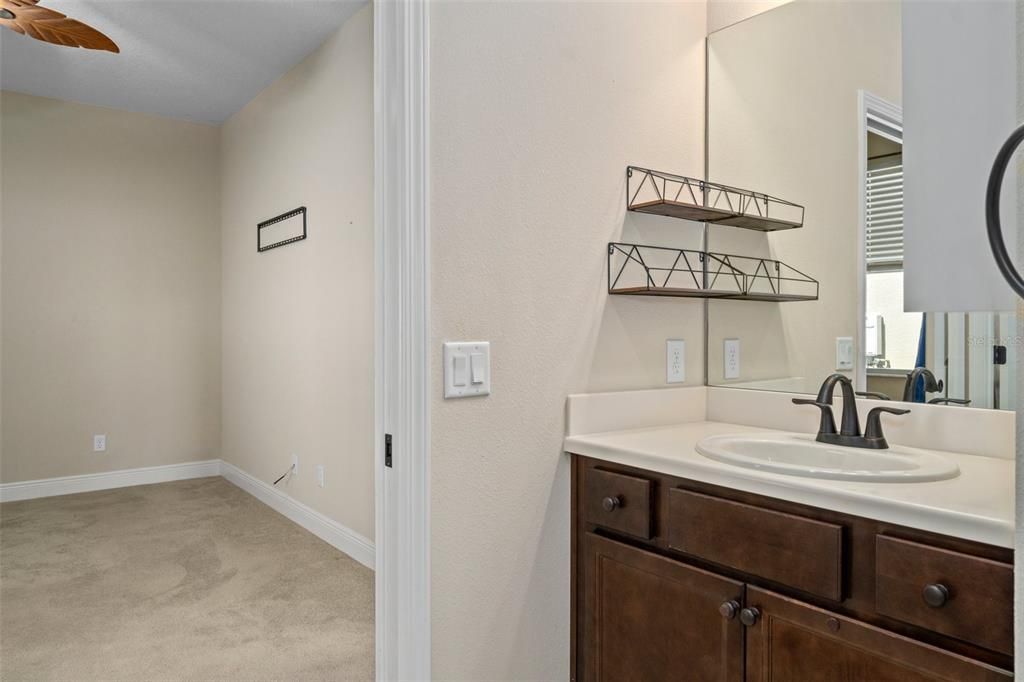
{"x":878,"y":116}
{"x":402,"y":357}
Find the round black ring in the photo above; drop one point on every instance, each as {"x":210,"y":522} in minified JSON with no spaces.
{"x":992,"y":219}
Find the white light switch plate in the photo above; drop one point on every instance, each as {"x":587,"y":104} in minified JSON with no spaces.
{"x":732,"y":359}
{"x":675,"y":361}
{"x":844,"y":352}
{"x":467,"y":369}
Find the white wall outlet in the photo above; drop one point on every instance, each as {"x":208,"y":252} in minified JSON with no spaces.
{"x":295,"y":465}
{"x":320,"y":475}
{"x":467,"y":369}
{"x":731,"y":359}
{"x":99,"y":442}
{"x":675,"y":361}
{"x":844,"y":352}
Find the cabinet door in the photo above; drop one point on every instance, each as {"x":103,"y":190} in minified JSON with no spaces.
{"x":652,"y":618}
{"x":794,"y":642}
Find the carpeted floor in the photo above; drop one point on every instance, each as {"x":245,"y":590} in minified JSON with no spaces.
{"x":192,"y":580}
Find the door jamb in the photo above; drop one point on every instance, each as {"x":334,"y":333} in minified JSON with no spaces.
{"x":881,"y":117}
{"x":402,"y":328}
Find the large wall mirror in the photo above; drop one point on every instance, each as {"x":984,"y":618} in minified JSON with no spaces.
{"x":804,"y":103}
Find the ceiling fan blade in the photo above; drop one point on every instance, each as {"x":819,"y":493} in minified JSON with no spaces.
{"x":53,"y":27}
{"x":74,"y":33}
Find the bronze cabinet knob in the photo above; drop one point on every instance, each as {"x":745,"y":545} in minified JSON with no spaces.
{"x":611,"y":503}
{"x":935,"y":595}
{"x":729,"y":609}
{"x":749,"y":616}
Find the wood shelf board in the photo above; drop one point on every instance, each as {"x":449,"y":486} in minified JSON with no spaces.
{"x":700,"y":293}
{"x":685,"y":211}
{"x":777,"y":298}
{"x":671,"y":291}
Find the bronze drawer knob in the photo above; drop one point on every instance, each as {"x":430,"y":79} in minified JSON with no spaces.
{"x":729,"y":609}
{"x":749,"y":616}
{"x":935,"y":595}
{"x":611,"y":503}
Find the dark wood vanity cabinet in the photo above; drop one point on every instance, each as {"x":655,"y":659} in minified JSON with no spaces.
{"x":648,"y":617}
{"x":678,"y":580}
{"x":791,"y":640}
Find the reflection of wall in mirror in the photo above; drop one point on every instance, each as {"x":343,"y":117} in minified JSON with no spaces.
{"x":783,"y":119}
{"x":723,"y":13}
{"x":900,"y":331}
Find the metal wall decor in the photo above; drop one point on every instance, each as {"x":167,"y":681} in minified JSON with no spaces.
{"x":267,"y":239}
{"x":678,"y":196}
{"x":639,"y":270}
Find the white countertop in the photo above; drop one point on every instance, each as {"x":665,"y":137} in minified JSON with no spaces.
{"x":976,"y":505}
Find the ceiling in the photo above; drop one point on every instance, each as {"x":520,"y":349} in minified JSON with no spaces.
{"x":199,"y":60}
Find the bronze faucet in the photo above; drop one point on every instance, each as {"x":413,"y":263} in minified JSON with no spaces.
{"x":849,"y":434}
{"x":931,"y":384}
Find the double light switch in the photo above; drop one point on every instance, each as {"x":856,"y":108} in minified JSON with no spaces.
{"x":467,"y":369}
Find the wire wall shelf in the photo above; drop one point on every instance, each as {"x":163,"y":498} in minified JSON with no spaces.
{"x":678,"y":196}
{"x":639,"y":270}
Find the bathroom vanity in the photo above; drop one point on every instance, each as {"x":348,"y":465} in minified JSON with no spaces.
{"x":688,"y":568}
{"x":724,"y":533}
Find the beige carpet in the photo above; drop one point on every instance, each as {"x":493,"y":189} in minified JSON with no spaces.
{"x":193,"y":580}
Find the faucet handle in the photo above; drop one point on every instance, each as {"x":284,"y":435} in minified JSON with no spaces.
{"x":873,"y":430}
{"x":876,"y":411}
{"x":810,"y":401}
{"x":872,"y":394}
{"x":949,"y":401}
{"x":828,"y":422}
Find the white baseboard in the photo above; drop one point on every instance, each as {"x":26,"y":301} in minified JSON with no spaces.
{"x":333,"y":533}
{"x":122,"y":478}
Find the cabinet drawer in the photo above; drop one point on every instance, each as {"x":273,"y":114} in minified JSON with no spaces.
{"x":971,"y":598}
{"x":618,"y":502}
{"x":791,"y":550}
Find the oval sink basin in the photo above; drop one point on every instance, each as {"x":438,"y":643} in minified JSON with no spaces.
{"x":800,"y":455}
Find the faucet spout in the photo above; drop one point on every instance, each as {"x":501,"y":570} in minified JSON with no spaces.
{"x":931,"y":384}
{"x":850,"y":425}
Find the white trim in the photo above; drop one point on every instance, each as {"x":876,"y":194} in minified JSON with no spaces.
{"x":122,"y":478}
{"x":401,"y":189}
{"x":876,"y":115}
{"x":333,"y":533}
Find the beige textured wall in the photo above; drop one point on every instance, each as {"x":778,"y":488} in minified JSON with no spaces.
{"x":722,"y":13}
{"x":536,"y":110}
{"x":298,"y":320}
{"x":1,"y":292}
{"x":784,"y":120}
{"x":110,"y":273}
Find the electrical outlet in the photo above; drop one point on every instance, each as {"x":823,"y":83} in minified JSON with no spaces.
{"x":320,"y":475}
{"x":295,"y":465}
{"x":732,"y":359}
{"x":99,"y":442}
{"x":675,"y":361}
